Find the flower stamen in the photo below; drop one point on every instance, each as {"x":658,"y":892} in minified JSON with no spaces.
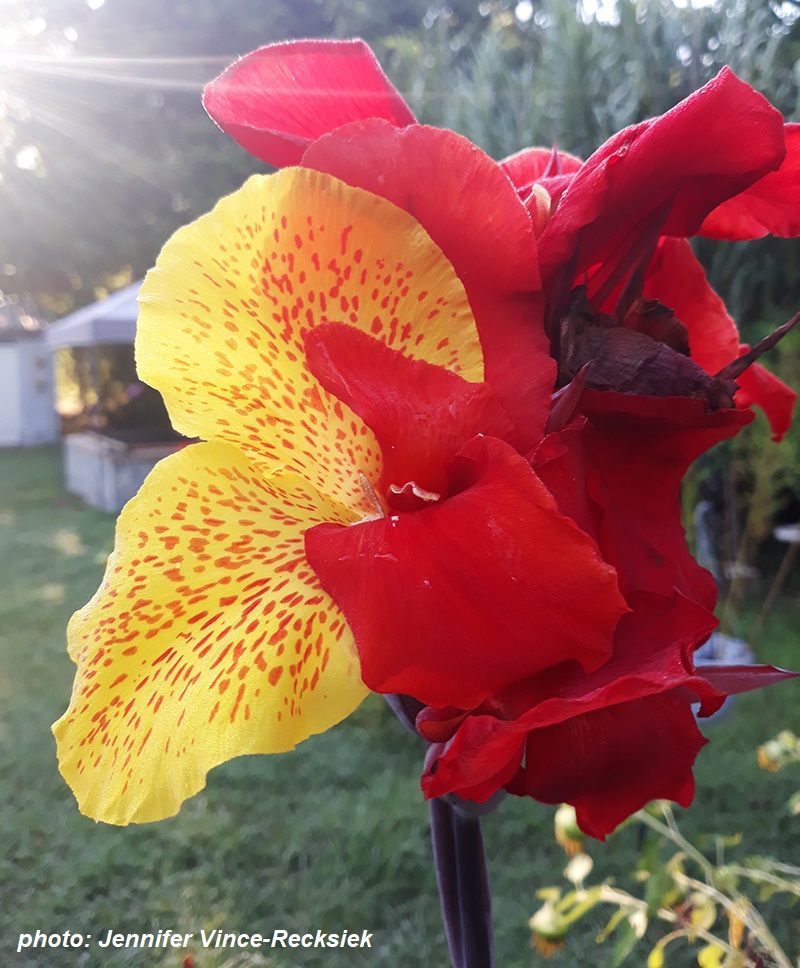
{"x":372,"y":497}
{"x":411,"y":497}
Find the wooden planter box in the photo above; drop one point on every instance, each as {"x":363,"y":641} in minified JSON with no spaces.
{"x":106,"y":472}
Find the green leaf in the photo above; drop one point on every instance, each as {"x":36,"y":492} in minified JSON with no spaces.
{"x":660,"y":885}
{"x":626,"y":942}
{"x":726,"y":880}
{"x":613,"y":923}
{"x":650,"y":854}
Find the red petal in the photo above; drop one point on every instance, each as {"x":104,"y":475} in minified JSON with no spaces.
{"x":438,"y":725}
{"x":531,"y":165}
{"x":454,"y":602}
{"x":477,"y":763}
{"x":421,"y":414}
{"x":457,"y":193}
{"x":620,"y":477}
{"x":560,"y":462}
{"x":763,"y":389}
{"x":608,"y":741}
{"x":652,"y":646}
{"x":611,"y":762}
{"x":710,"y":147}
{"x":734,"y":679}
{"x":770,"y":207}
{"x":677,"y":279}
{"x":277,"y":100}
{"x":468,"y":207}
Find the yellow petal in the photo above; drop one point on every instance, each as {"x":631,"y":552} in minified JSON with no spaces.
{"x":223,"y":314}
{"x":209,"y":637}
{"x":711,"y":956}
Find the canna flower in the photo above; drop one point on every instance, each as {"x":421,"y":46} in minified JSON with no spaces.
{"x":445,"y":407}
{"x":324,"y":348}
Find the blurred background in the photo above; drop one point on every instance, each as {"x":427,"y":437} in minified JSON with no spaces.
{"x":104,"y":151}
{"x":105,"y":148}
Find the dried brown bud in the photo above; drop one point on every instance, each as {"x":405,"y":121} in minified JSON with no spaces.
{"x":636,"y":362}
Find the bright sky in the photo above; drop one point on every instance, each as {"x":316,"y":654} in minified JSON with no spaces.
{"x":26,"y":45}
{"x":21,"y":32}
{"x":605,"y":11}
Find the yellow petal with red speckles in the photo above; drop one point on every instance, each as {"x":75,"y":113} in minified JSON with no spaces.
{"x":209,"y":638}
{"x":223,"y":314}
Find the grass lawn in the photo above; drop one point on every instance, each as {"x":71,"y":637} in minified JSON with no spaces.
{"x":333,"y":836}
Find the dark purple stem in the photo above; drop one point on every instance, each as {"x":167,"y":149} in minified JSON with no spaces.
{"x":463,"y":880}
{"x":460,"y":862}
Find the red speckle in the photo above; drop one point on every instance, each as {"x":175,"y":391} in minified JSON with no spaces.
{"x":239,"y":696}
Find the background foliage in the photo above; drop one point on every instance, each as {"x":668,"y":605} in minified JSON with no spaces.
{"x":105,"y":149}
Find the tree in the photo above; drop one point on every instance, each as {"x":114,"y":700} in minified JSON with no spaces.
{"x":116,"y":149}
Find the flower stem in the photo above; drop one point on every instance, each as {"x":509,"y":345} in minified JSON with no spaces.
{"x":751,"y":918}
{"x":463,"y":881}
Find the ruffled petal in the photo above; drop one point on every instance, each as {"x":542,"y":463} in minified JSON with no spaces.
{"x":209,"y":638}
{"x":421,"y":415}
{"x":769,"y":207}
{"x":224,"y":312}
{"x":679,"y":167}
{"x":465,"y":202}
{"x":610,"y":762}
{"x":677,"y":279}
{"x":430,"y":594}
{"x":652,"y":648}
{"x":276,"y":100}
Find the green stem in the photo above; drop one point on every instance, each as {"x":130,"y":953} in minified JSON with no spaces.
{"x":671,"y":832}
{"x":749,"y":915}
{"x":767,"y":878}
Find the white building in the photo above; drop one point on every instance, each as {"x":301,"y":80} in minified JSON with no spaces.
{"x":27,"y":414}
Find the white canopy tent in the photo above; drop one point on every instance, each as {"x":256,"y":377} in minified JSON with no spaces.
{"x":110,"y":321}
{"x":107,"y":467}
